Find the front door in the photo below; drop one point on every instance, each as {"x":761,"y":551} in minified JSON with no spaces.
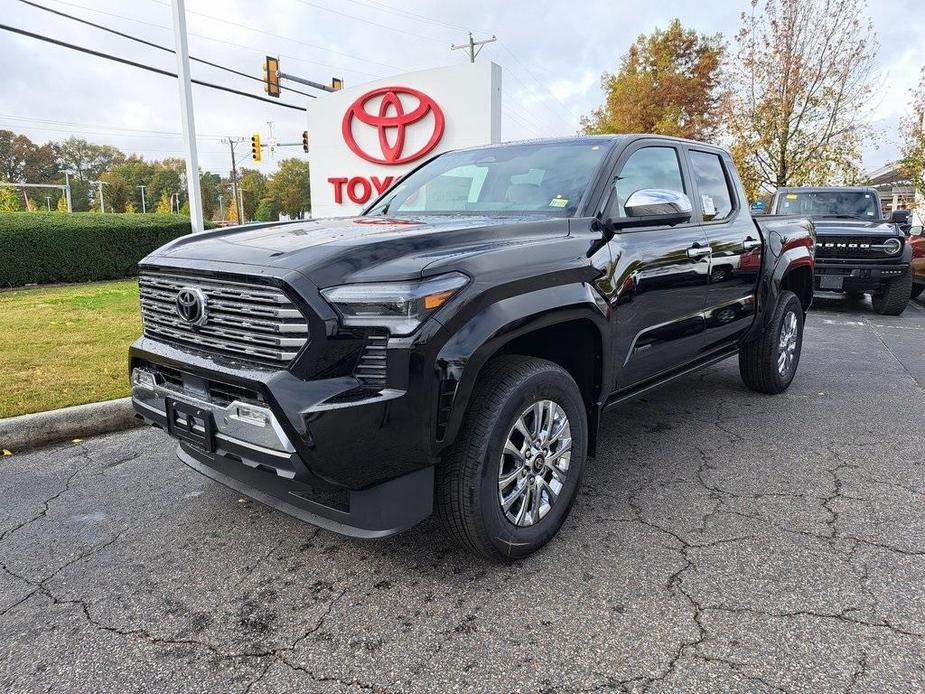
{"x":660,"y":273}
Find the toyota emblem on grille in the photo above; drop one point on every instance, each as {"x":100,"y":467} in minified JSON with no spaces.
{"x":191,"y":305}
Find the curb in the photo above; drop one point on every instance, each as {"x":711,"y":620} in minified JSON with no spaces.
{"x":42,"y":428}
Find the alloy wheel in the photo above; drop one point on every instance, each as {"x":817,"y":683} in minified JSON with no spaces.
{"x":534,"y":463}
{"x":787,"y":347}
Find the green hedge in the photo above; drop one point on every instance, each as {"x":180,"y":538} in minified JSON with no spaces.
{"x":41,"y":247}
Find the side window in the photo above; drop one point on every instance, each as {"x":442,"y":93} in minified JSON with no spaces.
{"x":649,"y":167}
{"x":715,"y":196}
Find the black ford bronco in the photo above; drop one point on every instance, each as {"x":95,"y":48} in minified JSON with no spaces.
{"x":455,"y":346}
{"x":857,"y":250}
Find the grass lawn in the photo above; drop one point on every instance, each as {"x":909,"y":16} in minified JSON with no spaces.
{"x":65,"y":344}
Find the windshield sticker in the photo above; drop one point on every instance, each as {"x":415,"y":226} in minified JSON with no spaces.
{"x":709,"y":209}
{"x":558,"y":201}
{"x":791,"y":196}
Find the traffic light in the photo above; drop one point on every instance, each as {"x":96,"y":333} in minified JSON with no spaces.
{"x":271,"y":76}
{"x":337,"y":83}
{"x":305,"y":141}
{"x":256,"y":153}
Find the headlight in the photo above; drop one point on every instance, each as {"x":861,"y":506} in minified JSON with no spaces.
{"x":892,"y":246}
{"x":399,"y":306}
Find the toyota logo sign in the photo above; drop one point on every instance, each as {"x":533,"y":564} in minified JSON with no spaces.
{"x":191,"y":305}
{"x":392,"y":121}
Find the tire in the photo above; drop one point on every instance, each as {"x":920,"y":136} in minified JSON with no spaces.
{"x":893,"y":297}
{"x":468,"y":485}
{"x":760,"y":360}
{"x":916,"y":291}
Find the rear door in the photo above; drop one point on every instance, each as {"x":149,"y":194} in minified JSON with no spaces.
{"x":661,"y":271}
{"x":735,"y":245}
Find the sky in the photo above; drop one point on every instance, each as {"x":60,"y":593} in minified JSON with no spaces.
{"x":552,"y":55}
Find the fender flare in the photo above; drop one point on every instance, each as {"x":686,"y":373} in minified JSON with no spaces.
{"x":793,"y":258}
{"x":462,"y":357}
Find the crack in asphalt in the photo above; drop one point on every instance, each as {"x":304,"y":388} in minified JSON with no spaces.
{"x":45,"y":506}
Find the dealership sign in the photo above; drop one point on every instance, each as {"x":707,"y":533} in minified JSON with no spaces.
{"x":363,"y":139}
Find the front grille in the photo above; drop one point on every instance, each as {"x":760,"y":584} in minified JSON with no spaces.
{"x":250,"y":322}
{"x":859,"y":247}
{"x":371,"y":368}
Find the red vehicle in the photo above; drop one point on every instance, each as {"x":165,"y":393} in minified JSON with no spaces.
{"x":917,"y":241}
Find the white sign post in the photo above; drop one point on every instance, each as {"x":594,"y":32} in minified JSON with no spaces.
{"x":364,"y":138}
{"x":186,"y":112}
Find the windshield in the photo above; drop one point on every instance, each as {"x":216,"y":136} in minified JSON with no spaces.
{"x":510,"y":179}
{"x":830,"y":203}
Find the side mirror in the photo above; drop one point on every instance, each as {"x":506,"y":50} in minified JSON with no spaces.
{"x":902,"y":219}
{"x":917,"y":231}
{"x":653,"y":206}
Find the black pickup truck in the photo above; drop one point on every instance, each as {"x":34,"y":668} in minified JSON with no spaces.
{"x":455,"y":346}
{"x":857,"y":250}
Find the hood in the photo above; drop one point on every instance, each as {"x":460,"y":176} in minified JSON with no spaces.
{"x":359,"y":249}
{"x":839,"y":226}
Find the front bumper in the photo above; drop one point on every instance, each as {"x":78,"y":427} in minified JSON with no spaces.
{"x":353,"y":466}
{"x":848,"y":276}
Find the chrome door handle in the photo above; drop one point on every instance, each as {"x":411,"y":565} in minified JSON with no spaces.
{"x":750,"y":243}
{"x":698,"y":251}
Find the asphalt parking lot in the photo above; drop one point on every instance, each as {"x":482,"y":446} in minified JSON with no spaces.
{"x":723,"y":541}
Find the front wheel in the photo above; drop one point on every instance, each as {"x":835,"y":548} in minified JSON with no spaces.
{"x":893,"y":296}
{"x":509,"y":481}
{"x":768,"y":364}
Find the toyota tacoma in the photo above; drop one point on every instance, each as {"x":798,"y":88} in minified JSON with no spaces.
{"x":454,"y":346}
{"x":857,"y":250}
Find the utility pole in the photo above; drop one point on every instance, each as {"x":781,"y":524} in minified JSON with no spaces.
{"x":186,"y":112}
{"x":232,"y":143}
{"x":474,"y":47}
{"x":143,"y":208}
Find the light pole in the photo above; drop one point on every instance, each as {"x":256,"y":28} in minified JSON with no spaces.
{"x":48,"y":202}
{"x":143,"y":208}
{"x":67,"y":190}
{"x":221,"y":208}
{"x":99,"y":185}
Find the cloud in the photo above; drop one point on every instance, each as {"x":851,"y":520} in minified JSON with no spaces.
{"x":552,"y":58}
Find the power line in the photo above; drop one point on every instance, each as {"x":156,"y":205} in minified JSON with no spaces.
{"x":221,"y":41}
{"x":145,"y":42}
{"x":132,"y":63}
{"x":284,"y":38}
{"x":131,"y":132}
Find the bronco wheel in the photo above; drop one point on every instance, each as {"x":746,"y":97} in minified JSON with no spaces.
{"x":893,"y":296}
{"x":509,"y":481}
{"x":769,"y":363}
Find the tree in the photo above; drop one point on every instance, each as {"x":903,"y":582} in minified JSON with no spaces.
{"x":668,"y":83}
{"x":253,"y":186}
{"x":801,"y":81}
{"x":210,"y":186}
{"x":10,"y":200}
{"x":288,"y":189}
{"x":86,"y":160}
{"x":164,"y":204}
{"x":912,"y":131}
{"x":22,"y":161}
